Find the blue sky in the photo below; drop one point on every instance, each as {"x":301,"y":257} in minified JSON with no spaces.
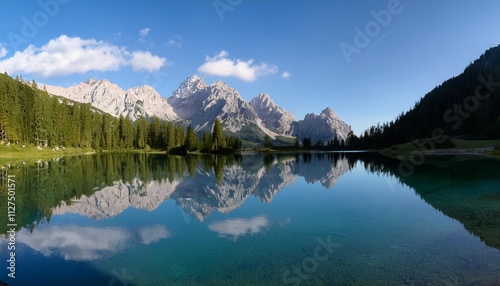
{"x":367,"y":60}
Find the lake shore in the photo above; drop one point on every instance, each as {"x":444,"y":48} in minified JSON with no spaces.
{"x":22,"y":154}
{"x":26,"y":154}
{"x":461,"y":147}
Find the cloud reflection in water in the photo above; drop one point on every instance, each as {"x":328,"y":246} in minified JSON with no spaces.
{"x":84,"y":243}
{"x":235,"y":228}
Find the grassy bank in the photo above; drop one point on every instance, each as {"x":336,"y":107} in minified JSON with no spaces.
{"x":19,"y":153}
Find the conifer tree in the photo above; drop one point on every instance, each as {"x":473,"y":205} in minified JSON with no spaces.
{"x":207,"y":142}
{"x":170,"y":135}
{"x":217,"y":135}
{"x":179,"y":136}
{"x":191,"y":143}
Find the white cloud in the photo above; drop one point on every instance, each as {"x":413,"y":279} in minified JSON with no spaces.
{"x":72,"y":55}
{"x":286,"y":74}
{"x":221,"y":65}
{"x":234,"y":228}
{"x":146,"y":61}
{"x":3,"y":51}
{"x":144,"y":32}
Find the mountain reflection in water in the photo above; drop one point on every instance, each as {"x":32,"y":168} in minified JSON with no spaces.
{"x":103,"y":186}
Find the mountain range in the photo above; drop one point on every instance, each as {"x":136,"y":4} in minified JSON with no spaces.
{"x":198,"y":104}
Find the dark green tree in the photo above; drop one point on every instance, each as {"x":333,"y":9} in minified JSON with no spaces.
{"x":170,"y":135}
{"x":141,"y":133}
{"x":217,"y":135}
{"x":191,"y":142}
{"x":179,"y":135}
{"x":207,"y":142}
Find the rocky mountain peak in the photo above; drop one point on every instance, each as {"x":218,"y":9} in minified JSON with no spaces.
{"x":264,"y":97}
{"x":325,"y":126}
{"x":189,"y":86}
{"x":91,"y":81}
{"x":329,"y":113}
{"x":110,"y":98}
{"x":264,"y":100}
{"x":96,"y":83}
{"x":145,"y":90}
{"x":222,"y":85}
{"x":274,"y":117}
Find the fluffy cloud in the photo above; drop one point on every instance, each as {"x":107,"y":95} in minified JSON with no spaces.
{"x":286,"y":74}
{"x":222,"y":65}
{"x":146,"y":61}
{"x":72,"y":55}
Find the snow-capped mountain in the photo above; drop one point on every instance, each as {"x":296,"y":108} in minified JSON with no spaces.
{"x":189,"y":86}
{"x":274,"y":117}
{"x":110,"y":98}
{"x":199,"y":104}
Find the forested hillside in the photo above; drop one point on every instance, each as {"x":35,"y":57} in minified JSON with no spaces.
{"x":467,"y":106}
{"x":29,"y":115}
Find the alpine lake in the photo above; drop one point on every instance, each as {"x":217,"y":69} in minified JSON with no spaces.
{"x":252,"y":219}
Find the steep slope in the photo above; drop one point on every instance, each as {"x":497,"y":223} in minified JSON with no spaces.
{"x":202,"y":104}
{"x":148,"y":102}
{"x":326,"y":126}
{"x":465,"y":106}
{"x":110,"y":98}
{"x":274,"y":117}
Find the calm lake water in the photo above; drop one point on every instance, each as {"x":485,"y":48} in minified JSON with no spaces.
{"x":287,"y":219}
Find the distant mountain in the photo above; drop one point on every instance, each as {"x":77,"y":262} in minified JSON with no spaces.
{"x":110,"y":98}
{"x":196,"y":103}
{"x":325,"y":126}
{"x":274,"y":117}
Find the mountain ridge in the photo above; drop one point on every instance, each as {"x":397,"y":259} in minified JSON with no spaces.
{"x":463,"y":106}
{"x":197,"y":103}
